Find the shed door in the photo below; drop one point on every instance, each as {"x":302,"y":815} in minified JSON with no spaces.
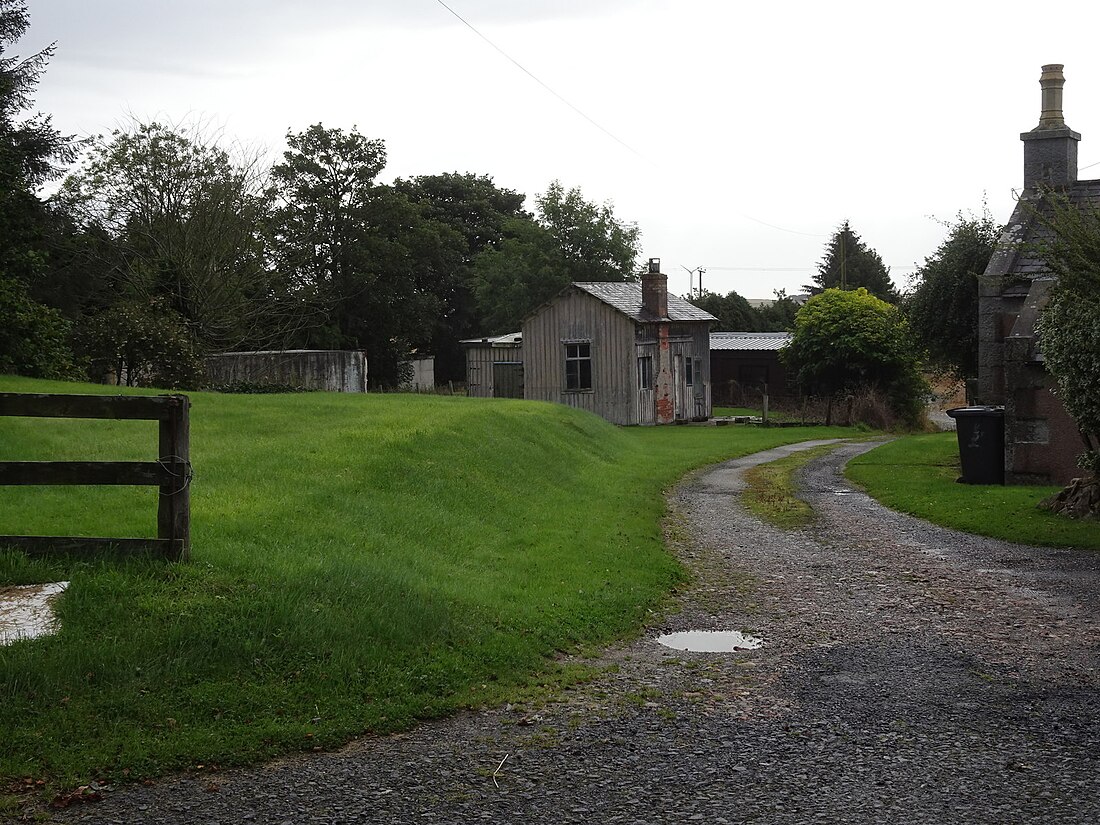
{"x":508,"y":380}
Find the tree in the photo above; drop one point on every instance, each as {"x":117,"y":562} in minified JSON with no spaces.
{"x":595,"y":244}
{"x":368,"y":253}
{"x":845,"y":342}
{"x":779,"y":315}
{"x":34,"y":338}
{"x":849,"y":264}
{"x":942,"y":307}
{"x":475,"y":208}
{"x":524,"y":271}
{"x":1069,"y":331}
{"x":145,"y":345}
{"x":181,"y":222}
{"x":733,"y":312}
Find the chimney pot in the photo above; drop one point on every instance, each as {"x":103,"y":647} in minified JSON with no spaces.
{"x":1051,"y":81}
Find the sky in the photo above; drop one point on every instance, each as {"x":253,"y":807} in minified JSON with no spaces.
{"x":736,"y":135}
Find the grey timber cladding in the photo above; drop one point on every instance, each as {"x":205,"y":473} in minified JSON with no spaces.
{"x":482,"y":354}
{"x":575,"y":318}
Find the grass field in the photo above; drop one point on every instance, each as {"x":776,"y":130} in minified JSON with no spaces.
{"x":916,"y":475}
{"x":359,"y":563}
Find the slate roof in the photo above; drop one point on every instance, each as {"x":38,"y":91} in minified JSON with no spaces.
{"x":748,"y":340}
{"x":626,"y":297}
{"x":1025,"y":235}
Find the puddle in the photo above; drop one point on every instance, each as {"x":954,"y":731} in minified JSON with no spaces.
{"x":710,"y":641}
{"x":26,"y":611}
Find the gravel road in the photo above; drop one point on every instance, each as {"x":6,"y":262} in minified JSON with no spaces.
{"x":910,"y":675}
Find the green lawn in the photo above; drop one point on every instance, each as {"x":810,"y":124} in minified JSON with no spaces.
{"x":916,"y":475}
{"x":359,"y":563}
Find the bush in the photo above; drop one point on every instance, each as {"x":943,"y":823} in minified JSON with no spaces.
{"x":847,"y":343}
{"x":34,"y":339}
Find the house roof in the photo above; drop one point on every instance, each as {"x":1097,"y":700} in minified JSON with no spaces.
{"x":748,"y":340}
{"x":1021,"y":242}
{"x":626,"y":297}
{"x":509,"y":340}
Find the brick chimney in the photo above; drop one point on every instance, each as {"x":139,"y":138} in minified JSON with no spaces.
{"x":655,"y":289}
{"x":1050,"y":149}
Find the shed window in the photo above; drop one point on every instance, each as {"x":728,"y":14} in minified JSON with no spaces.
{"x":578,"y":366}
{"x":645,"y":372}
{"x":689,"y":372}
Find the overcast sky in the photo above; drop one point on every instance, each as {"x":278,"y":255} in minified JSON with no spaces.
{"x":737,"y":135}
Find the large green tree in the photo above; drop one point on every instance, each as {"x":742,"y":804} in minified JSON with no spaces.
{"x":596,"y":245}
{"x":479,"y":211}
{"x":942,"y":305}
{"x":849,"y":263}
{"x":35,"y":338}
{"x":369,"y":254}
{"x":171,"y":218}
{"x":848,"y":341}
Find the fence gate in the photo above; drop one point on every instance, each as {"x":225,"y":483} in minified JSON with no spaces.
{"x":171,"y":472}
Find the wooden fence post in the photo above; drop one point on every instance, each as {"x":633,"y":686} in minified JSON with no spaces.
{"x":174,"y":512}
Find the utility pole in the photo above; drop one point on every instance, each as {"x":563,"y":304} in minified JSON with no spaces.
{"x":843,"y":258}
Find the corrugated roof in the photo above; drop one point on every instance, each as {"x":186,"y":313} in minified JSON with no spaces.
{"x":626,"y":297}
{"x":495,"y":340}
{"x":748,"y":340}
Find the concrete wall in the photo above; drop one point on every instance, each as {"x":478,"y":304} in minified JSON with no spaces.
{"x":423,"y":376}
{"x":331,"y":370}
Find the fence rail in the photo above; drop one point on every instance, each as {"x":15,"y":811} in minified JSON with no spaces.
{"x":171,"y":472}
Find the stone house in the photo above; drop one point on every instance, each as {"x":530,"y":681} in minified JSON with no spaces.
{"x":1041,"y":439}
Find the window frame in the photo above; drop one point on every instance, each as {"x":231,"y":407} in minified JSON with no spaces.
{"x":578,"y":366}
{"x":645,"y":372}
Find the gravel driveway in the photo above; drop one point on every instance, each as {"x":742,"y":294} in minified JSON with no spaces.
{"x":910,"y":675}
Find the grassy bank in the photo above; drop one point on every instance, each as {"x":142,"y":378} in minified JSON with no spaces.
{"x":359,"y":563}
{"x":917,"y":475}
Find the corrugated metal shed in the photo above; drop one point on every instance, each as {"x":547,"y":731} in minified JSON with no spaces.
{"x":748,"y":340}
{"x":626,"y":297}
{"x":508,"y":340}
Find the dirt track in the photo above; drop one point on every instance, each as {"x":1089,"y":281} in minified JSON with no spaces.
{"x":910,"y":675}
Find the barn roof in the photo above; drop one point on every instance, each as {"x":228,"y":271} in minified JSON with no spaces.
{"x":509,"y":340}
{"x":748,"y":340}
{"x":626,"y":297}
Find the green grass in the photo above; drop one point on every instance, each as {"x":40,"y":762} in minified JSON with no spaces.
{"x":770,"y":490}
{"x":916,"y":475}
{"x":773,"y":415}
{"x":359,"y":563}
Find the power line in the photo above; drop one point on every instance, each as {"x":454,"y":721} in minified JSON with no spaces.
{"x":531,"y":75}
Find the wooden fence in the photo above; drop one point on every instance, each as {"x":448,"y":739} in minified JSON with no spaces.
{"x":171,"y":472}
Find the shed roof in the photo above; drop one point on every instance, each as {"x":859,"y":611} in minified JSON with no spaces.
{"x":748,"y":340}
{"x":626,"y":297}
{"x":510,"y":340}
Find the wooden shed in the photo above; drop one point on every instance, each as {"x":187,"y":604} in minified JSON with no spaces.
{"x":629,"y":352}
{"x":745,"y":364}
{"x":494,"y":366}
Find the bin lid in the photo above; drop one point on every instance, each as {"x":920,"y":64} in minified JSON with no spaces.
{"x":968,"y":412}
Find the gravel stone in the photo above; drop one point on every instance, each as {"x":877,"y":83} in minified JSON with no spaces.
{"x":910,"y":674}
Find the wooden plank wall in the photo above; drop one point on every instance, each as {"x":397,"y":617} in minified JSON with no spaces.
{"x":479,"y":366}
{"x":576,"y":316}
